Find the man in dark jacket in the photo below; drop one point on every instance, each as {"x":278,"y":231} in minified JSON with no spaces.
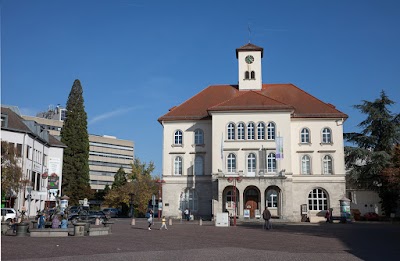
{"x":267,"y":217}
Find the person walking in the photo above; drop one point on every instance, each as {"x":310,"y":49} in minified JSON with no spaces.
{"x":187,"y":214}
{"x":163,"y":223}
{"x":267,"y":217}
{"x":150,"y":219}
{"x":328,"y":216}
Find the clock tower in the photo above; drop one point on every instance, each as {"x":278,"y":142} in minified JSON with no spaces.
{"x":249,"y":60}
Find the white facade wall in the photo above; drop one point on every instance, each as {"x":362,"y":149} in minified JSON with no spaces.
{"x":33,"y":164}
{"x":294,"y":187}
{"x":174,"y":185}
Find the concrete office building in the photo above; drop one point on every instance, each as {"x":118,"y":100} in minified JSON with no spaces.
{"x":241,"y":148}
{"x":106,"y":153}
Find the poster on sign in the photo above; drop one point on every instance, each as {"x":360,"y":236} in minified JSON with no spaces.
{"x":53,"y":181}
{"x":246,"y":213}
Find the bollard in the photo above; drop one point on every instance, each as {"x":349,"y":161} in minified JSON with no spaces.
{"x":97,"y":221}
{"x":201,"y":222}
{"x":170,"y":222}
{"x":133,"y":222}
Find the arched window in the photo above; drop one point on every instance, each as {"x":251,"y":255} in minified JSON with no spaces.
{"x":178,"y":165}
{"x":251,"y":164}
{"x":326,"y":135}
{"x":198,"y":137}
{"x":178,"y":137}
{"x":327,"y":165}
{"x":198,"y":166}
{"x":231,"y":131}
{"x":261,"y":131}
{"x":271,"y":131}
{"x":305,"y":165}
{"x":246,"y":75}
{"x":271,"y":163}
{"x":231,"y":163}
{"x":240,"y":131}
{"x":250,"y":131}
{"x":305,"y":136}
{"x":190,"y":200}
{"x":253,"y":75}
{"x":272,"y":198}
{"x":317,"y":200}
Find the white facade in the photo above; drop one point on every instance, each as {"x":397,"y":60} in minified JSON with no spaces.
{"x":241,"y":150}
{"x":35,"y":153}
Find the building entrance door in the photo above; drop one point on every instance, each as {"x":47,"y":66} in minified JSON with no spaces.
{"x":251,"y":204}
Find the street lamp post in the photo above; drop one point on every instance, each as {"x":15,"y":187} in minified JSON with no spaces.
{"x":131,"y":212}
{"x":29,"y":189}
{"x":234,"y":180}
{"x":44,"y":176}
{"x":159,"y":182}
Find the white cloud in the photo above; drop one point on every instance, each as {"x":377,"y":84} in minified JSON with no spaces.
{"x":110,"y":114}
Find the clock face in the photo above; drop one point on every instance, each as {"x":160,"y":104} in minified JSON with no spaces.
{"x":249,"y":59}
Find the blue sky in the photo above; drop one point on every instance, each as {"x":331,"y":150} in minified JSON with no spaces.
{"x":137,"y":58}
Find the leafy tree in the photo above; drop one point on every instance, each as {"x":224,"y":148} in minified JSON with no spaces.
{"x":74,"y":134}
{"x":119,"y":178}
{"x":140,"y":182}
{"x":106,"y":190}
{"x":11,"y":173}
{"x":144,"y":185}
{"x":374,"y":163}
{"x":99,"y":195}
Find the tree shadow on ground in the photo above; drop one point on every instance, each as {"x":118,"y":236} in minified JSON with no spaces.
{"x":365,"y":240}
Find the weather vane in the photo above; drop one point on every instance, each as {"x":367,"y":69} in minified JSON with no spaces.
{"x":248,"y":28}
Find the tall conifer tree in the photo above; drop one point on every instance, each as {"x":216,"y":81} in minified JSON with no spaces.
{"x":74,"y":134}
{"x":373,"y":163}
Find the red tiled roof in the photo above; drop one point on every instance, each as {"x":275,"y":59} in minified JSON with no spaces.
{"x":250,"y":47}
{"x":275,"y":97}
{"x":16,"y":123}
{"x":250,"y":100}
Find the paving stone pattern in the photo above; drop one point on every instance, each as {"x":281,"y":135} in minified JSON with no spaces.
{"x":190,"y":241}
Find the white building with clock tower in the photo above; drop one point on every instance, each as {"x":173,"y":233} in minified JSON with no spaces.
{"x":241,"y":148}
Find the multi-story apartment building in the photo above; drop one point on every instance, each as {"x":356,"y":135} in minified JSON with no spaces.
{"x":40,"y":156}
{"x":241,"y":148}
{"x":106,"y":153}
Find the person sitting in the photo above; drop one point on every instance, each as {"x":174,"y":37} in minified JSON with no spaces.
{"x":13,"y":224}
{"x":55,"y":222}
{"x":41,"y":221}
{"x":64,"y":222}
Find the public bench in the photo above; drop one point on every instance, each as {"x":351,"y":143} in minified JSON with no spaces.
{"x":48,"y":232}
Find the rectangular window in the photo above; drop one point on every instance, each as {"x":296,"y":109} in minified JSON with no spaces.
{"x":28,"y":151}
{"x":19,"y":150}
{"x":33,"y":178}
{"x":11,"y":147}
{"x":45,"y":160}
{"x":37,"y":182}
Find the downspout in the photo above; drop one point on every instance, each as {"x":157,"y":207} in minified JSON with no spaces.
{"x":23,"y":170}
